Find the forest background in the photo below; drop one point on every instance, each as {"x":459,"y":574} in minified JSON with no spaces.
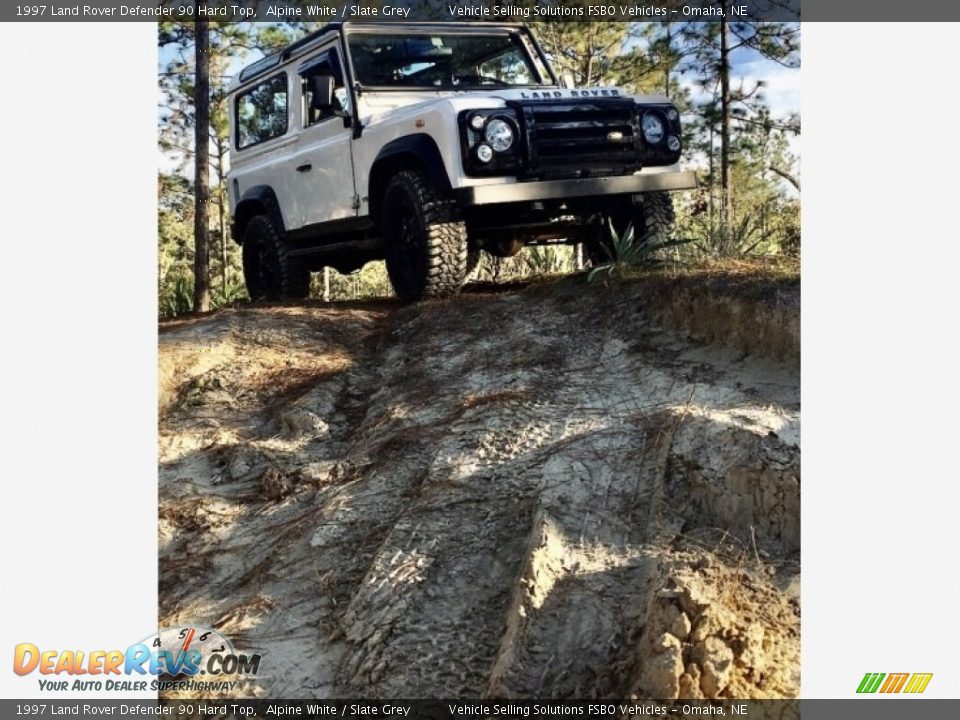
{"x":736,"y":84}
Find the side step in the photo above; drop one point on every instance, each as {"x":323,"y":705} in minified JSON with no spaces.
{"x":366,"y":245}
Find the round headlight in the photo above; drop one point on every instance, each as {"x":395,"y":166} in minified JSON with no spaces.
{"x":499,"y":134}
{"x":673,"y":142}
{"x":484,"y":153}
{"x":477,"y":121}
{"x":652,"y":128}
{"x":672,"y":115}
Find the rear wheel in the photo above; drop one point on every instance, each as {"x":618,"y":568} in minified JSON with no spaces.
{"x":653,"y":222}
{"x":269,"y":271}
{"x":424,"y":238}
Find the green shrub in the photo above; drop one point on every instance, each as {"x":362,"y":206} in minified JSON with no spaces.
{"x":176,"y":295}
{"x":625,"y":250}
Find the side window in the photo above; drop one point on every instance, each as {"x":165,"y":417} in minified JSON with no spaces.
{"x":261,"y":112}
{"x":326,"y":63}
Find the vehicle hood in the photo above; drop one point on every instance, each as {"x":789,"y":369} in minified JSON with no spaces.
{"x":375,"y":105}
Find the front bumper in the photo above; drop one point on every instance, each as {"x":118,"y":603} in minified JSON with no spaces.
{"x":578,"y":187}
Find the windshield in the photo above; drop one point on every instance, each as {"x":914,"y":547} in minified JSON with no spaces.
{"x":447,"y":60}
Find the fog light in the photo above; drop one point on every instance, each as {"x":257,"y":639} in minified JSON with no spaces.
{"x":476,"y":122}
{"x":673,"y":142}
{"x":485,"y":153}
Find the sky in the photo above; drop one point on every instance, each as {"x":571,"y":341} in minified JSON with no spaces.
{"x":781,"y":86}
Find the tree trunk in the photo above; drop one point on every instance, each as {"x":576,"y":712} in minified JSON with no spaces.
{"x":201,"y":230}
{"x":713,"y":183}
{"x":221,"y":212}
{"x":725,"y":199}
{"x":666,"y":61}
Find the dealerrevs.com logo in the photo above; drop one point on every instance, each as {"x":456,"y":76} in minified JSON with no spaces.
{"x":894,"y":683}
{"x":182,"y":658}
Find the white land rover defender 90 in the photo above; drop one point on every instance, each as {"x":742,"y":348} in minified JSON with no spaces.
{"x":426,"y":143}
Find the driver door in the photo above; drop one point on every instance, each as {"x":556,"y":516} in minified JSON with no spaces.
{"x":322,"y":164}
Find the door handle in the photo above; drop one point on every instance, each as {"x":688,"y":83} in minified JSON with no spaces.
{"x":304,"y":168}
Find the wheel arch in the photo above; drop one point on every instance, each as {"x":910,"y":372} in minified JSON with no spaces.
{"x":418,"y":151}
{"x":257,"y":200}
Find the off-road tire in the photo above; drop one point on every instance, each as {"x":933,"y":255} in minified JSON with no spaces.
{"x":269,"y":271}
{"x":659,"y":218}
{"x":424,"y":238}
{"x":654,"y":221}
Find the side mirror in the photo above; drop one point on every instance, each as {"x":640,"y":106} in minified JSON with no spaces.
{"x":321,"y":87}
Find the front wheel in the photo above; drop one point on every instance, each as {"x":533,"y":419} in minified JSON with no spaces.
{"x":653,"y":221}
{"x":424,"y":238}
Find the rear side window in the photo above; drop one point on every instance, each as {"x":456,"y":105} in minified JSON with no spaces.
{"x":261,"y":112}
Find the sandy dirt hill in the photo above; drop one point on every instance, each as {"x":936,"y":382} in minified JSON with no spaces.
{"x":567,"y":490}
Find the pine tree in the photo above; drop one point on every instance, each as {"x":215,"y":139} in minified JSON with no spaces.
{"x":584,"y":51}
{"x":201,"y":185}
{"x":712,"y":46}
{"x":181,"y":130}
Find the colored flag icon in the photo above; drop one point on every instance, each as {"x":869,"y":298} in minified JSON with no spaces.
{"x":913,"y":683}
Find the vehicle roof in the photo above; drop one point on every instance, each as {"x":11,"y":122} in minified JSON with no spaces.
{"x":264,"y":64}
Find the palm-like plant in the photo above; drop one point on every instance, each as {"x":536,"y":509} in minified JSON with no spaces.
{"x":624,"y":249}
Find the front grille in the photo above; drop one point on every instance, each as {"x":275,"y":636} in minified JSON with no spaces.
{"x":582,"y":138}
